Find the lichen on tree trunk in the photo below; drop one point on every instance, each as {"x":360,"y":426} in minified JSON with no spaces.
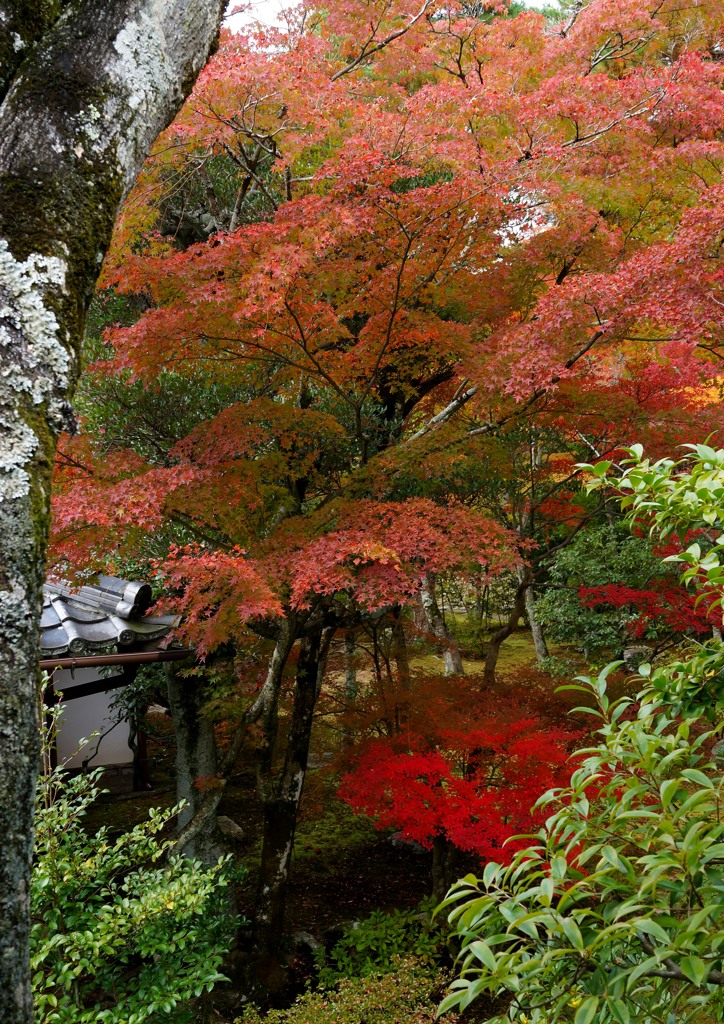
{"x":85,"y":88}
{"x":536,"y":629}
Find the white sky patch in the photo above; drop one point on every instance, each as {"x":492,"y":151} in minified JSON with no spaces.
{"x":532,"y":217}
{"x":264,"y":11}
{"x":267,"y":12}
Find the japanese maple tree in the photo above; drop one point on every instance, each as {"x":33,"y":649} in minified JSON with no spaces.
{"x":373,"y":245}
{"x":464,"y":771}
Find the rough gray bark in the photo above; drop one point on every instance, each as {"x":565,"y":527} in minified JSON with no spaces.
{"x":436,"y":624}
{"x":22,"y":24}
{"x":85,"y":89}
{"x":195,"y":758}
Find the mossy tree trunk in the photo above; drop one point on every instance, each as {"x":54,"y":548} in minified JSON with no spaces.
{"x":85,"y":87}
{"x":492,"y":651}
{"x":196,"y":758}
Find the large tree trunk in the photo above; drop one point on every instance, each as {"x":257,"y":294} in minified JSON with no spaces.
{"x":195,"y":759}
{"x":280,"y":800}
{"x":84,"y":93}
{"x":436,"y":624}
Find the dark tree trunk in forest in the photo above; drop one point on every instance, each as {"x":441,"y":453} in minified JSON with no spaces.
{"x":443,"y":868}
{"x":280,"y":799}
{"x":139,"y":749}
{"x":398,"y":649}
{"x":350,"y":683}
{"x":436,"y":624}
{"x":195,"y":758}
{"x":264,"y":708}
{"x":399,"y":654}
{"x":85,"y":88}
{"x":492,"y":651}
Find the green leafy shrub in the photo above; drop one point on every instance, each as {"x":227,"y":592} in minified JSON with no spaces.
{"x":597,"y":558}
{"x":615,"y":913}
{"x":370,"y":946}
{"x":558,"y":667}
{"x":121,"y":934}
{"x":407,"y":993}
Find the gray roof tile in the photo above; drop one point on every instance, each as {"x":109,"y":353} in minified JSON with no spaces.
{"x":97,"y":618}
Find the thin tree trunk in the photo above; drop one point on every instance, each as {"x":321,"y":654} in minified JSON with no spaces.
{"x":280,"y":801}
{"x":264,"y":708}
{"x":85,"y":89}
{"x":442,"y":867}
{"x":436,"y":624}
{"x":536,"y":629}
{"x":139,"y":749}
{"x":398,"y":651}
{"x":195,"y":759}
{"x":492,"y":651}
{"x":350,"y":684}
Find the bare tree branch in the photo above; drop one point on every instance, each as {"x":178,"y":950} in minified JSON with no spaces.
{"x":370,"y":47}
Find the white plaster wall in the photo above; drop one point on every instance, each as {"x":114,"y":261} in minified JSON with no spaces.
{"x":82,"y":717}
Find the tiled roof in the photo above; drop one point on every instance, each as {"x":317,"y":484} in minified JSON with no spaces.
{"x":99,"y":617}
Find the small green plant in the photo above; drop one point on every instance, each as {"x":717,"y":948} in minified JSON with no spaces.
{"x":121,"y":933}
{"x":408,"y":992}
{"x":608,"y":560}
{"x":370,"y":946}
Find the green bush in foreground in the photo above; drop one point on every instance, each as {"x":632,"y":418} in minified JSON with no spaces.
{"x":120,"y":933}
{"x":407,"y":994}
{"x":370,"y":946}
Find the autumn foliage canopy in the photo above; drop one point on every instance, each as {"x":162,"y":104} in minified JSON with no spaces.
{"x":440,"y":223}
